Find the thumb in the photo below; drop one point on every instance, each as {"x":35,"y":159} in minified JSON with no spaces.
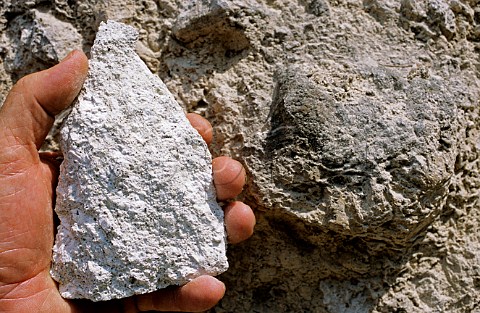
{"x":30,"y":108}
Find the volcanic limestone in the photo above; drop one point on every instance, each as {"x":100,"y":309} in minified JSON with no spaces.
{"x":135,"y":198}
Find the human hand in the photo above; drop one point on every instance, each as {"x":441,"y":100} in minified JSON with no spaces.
{"x":27,"y":188}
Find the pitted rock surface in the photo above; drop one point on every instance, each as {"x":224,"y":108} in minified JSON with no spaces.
{"x":135,"y":197}
{"x":224,"y":59}
{"x":377,"y":165}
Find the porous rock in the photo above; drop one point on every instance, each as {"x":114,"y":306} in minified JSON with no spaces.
{"x":377,"y":167}
{"x":135,"y":196}
{"x":312,"y":264}
{"x":217,"y":19}
{"x":37,"y":40}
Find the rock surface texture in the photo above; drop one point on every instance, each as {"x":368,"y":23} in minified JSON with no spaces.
{"x":135,"y":196}
{"x":358,"y":123}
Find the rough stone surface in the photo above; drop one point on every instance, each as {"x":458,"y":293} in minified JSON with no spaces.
{"x":39,"y":40}
{"x":375,"y":164}
{"x":135,"y":196}
{"x":358,"y":122}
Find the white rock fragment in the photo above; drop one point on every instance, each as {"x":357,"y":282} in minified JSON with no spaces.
{"x":135,"y":197}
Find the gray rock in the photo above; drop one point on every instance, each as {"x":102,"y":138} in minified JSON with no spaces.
{"x":135,"y":198}
{"x":296,"y":264}
{"x":202,"y":19}
{"x":318,"y":7}
{"x":38,"y":40}
{"x":430,"y":18}
{"x":376,"y":165}
{"x":216,"y":19}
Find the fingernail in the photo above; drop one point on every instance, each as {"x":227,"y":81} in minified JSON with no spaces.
{"x":68,"y":56}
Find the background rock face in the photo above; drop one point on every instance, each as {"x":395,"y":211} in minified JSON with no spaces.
{"x":375,"y":164}
{"x":135,"y":196}
{"x":357,"y":122}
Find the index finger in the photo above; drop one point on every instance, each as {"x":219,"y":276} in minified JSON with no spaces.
{"x":203,"y":126}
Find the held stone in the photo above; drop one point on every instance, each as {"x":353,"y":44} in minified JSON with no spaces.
{"x":135,"y":198}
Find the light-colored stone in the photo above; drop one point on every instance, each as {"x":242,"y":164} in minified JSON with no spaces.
{"x":135,"y":197}
{"x":224,"y":59}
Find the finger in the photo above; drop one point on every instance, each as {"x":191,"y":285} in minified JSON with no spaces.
{"x":228,"y":177}
{"x":29,"y":110}
{"x":203,"y":127}
{"x":129,"y":305}
{"x":239,"y":221}
{"x":198,"y":295}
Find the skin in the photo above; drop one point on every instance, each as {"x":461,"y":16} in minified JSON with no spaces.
{"x":27,"y":184}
